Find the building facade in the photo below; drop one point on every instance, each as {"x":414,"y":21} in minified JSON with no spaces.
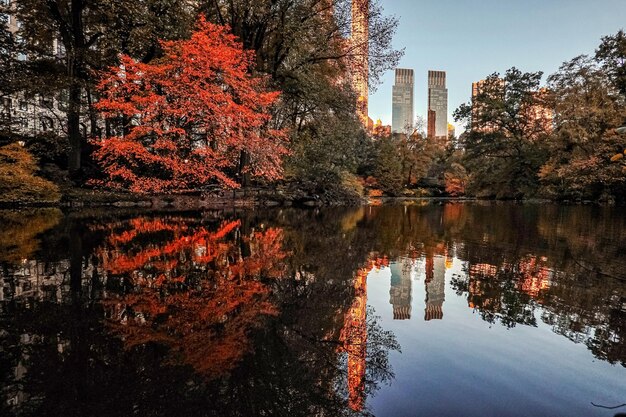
{"x":359,"y":44}
{"x":30,"y":114}
{"x":437,"y":105}
{"x":402,"y":101}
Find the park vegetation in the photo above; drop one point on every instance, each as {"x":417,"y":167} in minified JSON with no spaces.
{"x":526,"y":140}
{"x":174,"y":95}
{"x":170,"y":96}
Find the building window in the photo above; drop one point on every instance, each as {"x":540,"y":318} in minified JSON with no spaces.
{"x":62,"y":100}
{"x":23,"y":105}
{"x":47,"y":124}
{"x":45,"y":101}
{"x":6,"y":104}
{"x":60,"y":52}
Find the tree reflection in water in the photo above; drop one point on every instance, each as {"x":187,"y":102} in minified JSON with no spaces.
{"x":182,"y":314}
{"x":264,"y":313}
{"x":192,"y":290}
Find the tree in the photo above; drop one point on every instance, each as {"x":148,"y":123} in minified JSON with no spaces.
{"x":18,"y":179}
{"x":388,"y":168}
{"x":456,"y":179}
{"x":611,"y":54}
{"x":416,"y":152}
{"x":66,"y":42}
{"x":304,"y":46}
{"x":190,"y":116}
{"x":507,"y":122}
{"x":587,"y":111}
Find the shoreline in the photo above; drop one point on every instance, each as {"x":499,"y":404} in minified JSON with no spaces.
{"x":249,"y":198}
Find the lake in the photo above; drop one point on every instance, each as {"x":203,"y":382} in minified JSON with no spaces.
{"x":430,"y":309}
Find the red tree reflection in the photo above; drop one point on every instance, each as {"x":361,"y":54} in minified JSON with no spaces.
{"x":195,"y":290}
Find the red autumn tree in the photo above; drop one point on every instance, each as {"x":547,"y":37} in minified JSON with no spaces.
{"x":187,"y":118}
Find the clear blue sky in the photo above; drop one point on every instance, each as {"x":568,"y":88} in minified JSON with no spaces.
{"x":470,"y":39}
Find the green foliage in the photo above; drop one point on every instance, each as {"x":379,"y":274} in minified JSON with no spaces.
{"x":18,"y":180}
{"x":388,"y":167}
{"x":416,"y":154}
{"x":47,"y":148}
{"x":323,"y":149}
{"x":302,"y":46}
{"x":611,"y":54}
{"x":587,"y":111}
{"x":557,"y":142}
{"x":504,"y":142}
{"x":84,"y":46}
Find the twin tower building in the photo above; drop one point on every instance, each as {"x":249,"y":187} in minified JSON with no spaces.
{"x":403,"y":117}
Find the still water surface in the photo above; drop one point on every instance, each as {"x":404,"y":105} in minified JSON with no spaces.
{"x":429,"y":310}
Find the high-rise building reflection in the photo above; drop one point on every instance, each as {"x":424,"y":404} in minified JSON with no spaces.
{"x":400,"y":290}
{"x":354,"y":336}
{"x":435,"y":287}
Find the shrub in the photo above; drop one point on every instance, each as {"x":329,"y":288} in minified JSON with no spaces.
{"x":18,"y":182}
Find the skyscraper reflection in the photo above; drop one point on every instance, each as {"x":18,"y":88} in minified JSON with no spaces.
{"x":354,"y":336}
{"x":435,"y":287}
{"x":400,"y":290}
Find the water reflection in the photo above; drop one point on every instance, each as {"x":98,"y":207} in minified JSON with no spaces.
{"x":195,"y":290}
{"x":255,"y":313}
{"x":215,"y":308}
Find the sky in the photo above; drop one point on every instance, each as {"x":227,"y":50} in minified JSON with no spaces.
{"x":470,"y":39}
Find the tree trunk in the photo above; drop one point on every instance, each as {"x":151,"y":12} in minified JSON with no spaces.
{"x":73,"y":129}
{"x":75,"y":46}
{"x":93,"y":117}
{"x":244,"y":173}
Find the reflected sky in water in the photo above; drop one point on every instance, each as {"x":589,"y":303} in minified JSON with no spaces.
{"x":455,"y":363}
{"x":454,"y":309}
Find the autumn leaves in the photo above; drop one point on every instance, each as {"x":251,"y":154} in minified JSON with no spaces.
{"x":189,"y":118}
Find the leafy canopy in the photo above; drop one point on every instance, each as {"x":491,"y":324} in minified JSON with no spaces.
{"x":190,"y":116}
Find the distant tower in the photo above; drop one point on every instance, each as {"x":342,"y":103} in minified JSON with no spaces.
{"x":438,"y":105}
{"x":360,"y":52}
{"x":402,"y":101}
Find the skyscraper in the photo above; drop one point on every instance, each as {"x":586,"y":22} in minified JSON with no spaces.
{"x":359,"y":53}
{"x":437,"y":104}
{"x":402,"y":101}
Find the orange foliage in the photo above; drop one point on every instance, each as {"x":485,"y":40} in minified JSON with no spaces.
{"x":189,"y":116}
{"x":455,"y":186}
{"x":195,"y":292}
